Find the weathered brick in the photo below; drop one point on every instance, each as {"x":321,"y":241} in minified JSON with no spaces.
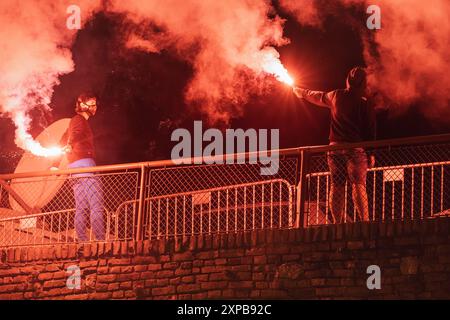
{"x":55,"y":284}
{"x":186,"y":288}
{"x":232,"y":253}
{"x":260,"y":260}
{"x":188,"y":279}
{"x":170,"y":265}
{"x":213,"y":285}
{"x":126,"y":285}
{"x":88,"y":264}
{"x":12,"y":296}
{"x":8,"y":288}
{"x":186,"y":265}
{"x":217,"y":276}
{"x":240,"y":284}
{"x":290,"y":257}
{"x":240,"y":268}
{"x":198,"y":263}
{"x":60,"y":275}
{"x":163,"y":291}
{"x":206,"y":255}
{"x":279,"y":250}
{"x":255,"y":252}
{"x":101,"y":287}
{"x":200,"y":296}
{"x":272,"y":293}
{"x":128,"y":277}
{"x":113,"y":286}
{"x":130,"y":294}
{"x":185,"y":256}
{"x":77,"y":297}
{"x":126,"y":269}
{"x":355,"y":245}
{"x":106,"y":278}
{"x":154,"y":267}
{"x":201,"y":278}
{"x":100,"y":295}
{"x":214,"y":294}
{"x":147,"y":275}
{"x":209,"y":269}
{"x":119,"y":262}
{"x":45,"y":276}
{"x":164,"y":274}
{"x":140,"y":268}
{"x":117,"y":295}
{"x":162,"y":282}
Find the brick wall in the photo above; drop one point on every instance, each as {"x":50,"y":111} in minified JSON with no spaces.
{"x":320,"y":262}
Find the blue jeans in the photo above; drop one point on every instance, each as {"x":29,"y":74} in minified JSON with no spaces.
{"x":88,"y":201}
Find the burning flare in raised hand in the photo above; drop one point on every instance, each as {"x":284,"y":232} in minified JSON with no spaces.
{"x":273,"y":66}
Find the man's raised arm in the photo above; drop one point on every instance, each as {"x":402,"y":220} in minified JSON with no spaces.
{"x":319,"y":98}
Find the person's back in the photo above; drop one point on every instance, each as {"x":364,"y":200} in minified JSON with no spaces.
{"x":351,"y":118}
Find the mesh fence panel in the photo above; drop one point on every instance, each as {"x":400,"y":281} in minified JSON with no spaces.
{"x":407,"y":182}
{"x":217,"y":198}
{"x":199,"y":177}
{"x":251,"y":206}
{"x":85,"y":207}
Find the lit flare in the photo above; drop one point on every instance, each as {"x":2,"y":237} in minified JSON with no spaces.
{"x":26,"y":141}
{"x":273,"y":66}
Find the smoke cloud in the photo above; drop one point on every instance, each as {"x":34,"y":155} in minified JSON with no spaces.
{"x":306,"y":12}
{"x":411,"y":61}
{"x":228,"y":43}
{"x":35,"y":52}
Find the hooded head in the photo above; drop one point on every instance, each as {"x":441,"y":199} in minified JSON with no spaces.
{"x":357,"y":80}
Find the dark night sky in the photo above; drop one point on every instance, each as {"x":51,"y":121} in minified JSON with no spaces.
{"x":141,"y":94}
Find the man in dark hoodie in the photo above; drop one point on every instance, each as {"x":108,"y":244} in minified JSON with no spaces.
{"x":352,"y":120}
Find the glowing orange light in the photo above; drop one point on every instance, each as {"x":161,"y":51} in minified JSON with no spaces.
{"x":273,"y":65}
{"x":26,"y":141}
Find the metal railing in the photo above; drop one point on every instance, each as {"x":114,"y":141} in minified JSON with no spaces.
{"x":154,"y":200}
{"x":393,"y":193}
{"x":243,"y":207}
{"x":408,"y":181}
{"x":51,"y":215}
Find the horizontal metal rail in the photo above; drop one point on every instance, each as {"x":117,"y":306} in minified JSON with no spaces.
{"x":236,"y":156}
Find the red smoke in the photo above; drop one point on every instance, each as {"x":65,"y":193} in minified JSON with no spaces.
{"x":227,"y":42}
{"x":305,"y":11}
{"x":35,"y":52}
{"x":413,"y":46}
{"x":411,"y":61}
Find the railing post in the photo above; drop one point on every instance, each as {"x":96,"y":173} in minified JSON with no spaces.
{"x":141,"y":205}
{"x":301,"y":188}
